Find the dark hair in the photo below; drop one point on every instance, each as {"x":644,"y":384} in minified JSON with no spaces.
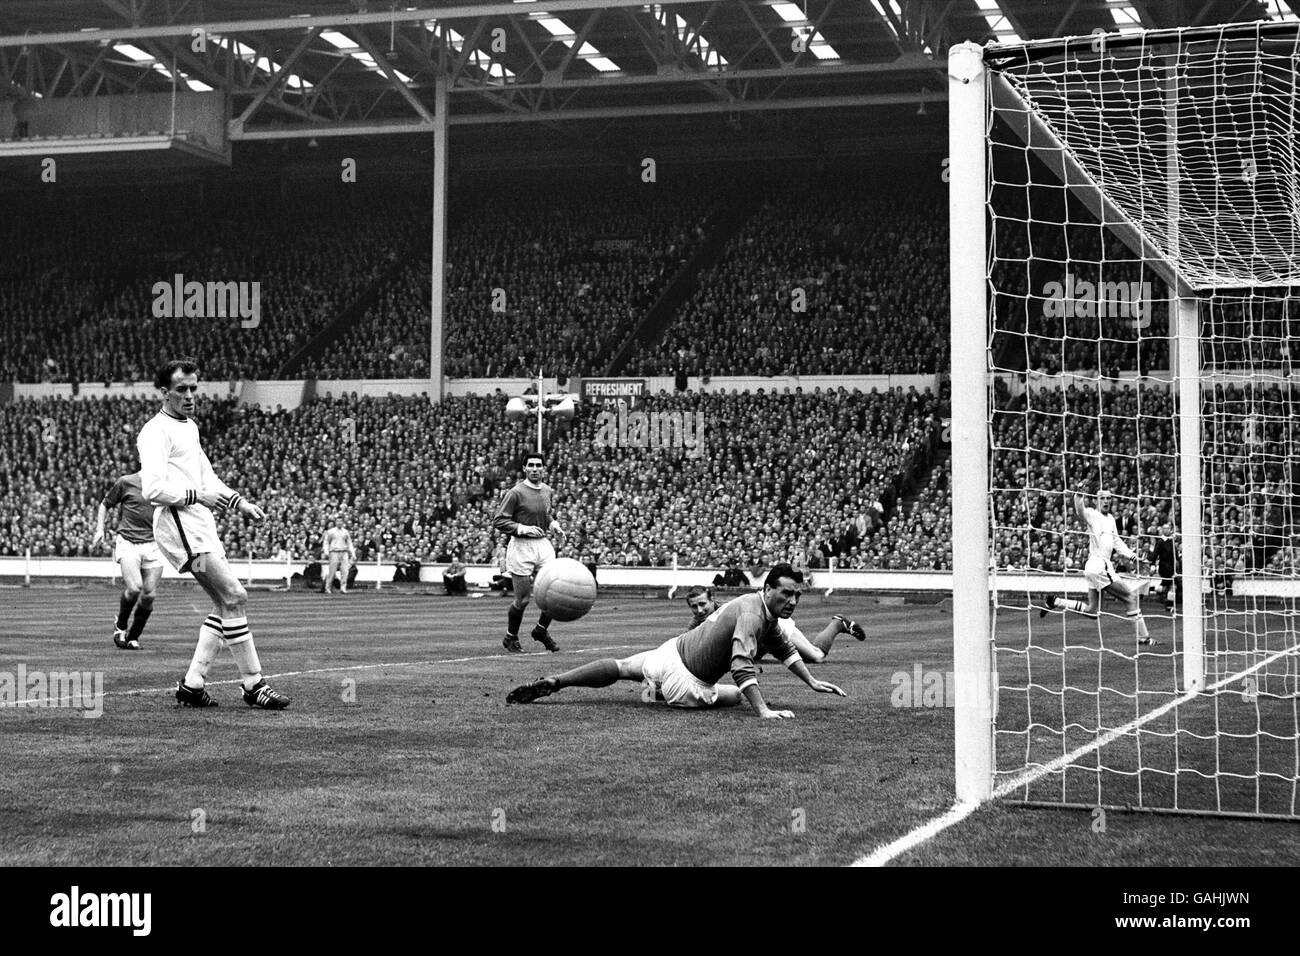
{"x":535,"y":454}
{"x":698,"y":590}
{"x":782,"y":571}
{"x":163,"y":377}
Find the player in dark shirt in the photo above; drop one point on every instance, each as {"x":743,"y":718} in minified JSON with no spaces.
{"x":685,"y":671}
{"x":136,"y":554}
{"x":527,"y":515}
{"x":1164,"y":555}
{"x":700,"y":600}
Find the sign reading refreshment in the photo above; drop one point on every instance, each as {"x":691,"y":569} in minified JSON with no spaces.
{"x":610,"y":390}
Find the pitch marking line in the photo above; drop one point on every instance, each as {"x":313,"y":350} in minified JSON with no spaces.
{"x":960,"y":811}
{"x":25,"y":705}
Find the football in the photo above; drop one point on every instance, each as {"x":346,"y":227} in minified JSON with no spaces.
{"x":564,"y":589}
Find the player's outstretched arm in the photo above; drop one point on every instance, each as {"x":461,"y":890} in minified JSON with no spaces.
{"x":800,"y":670}
{"x":1080,"y":505}
{"x":755,"y":698}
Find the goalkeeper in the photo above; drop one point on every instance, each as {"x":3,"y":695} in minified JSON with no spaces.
{"x":700,"y":600}
{"x":1100,"y":573}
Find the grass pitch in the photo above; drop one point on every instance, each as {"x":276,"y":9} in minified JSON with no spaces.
{"x":399,"y":749}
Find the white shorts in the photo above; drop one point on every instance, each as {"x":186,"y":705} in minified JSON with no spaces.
{"x":184,"y":531}
{"x":146,"y":553}
{"x":525,"y":555}
{"x":1100,"y":574}
{"x":679,"y":686}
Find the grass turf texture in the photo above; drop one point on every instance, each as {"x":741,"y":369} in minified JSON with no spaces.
{"x":429,"y":766}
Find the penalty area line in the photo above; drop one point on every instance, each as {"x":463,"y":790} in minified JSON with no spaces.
{"x":324,"y":670}
{"x":960,"y":811}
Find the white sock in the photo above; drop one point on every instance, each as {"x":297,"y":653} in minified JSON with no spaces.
{"x":239,"y":641}
{"x":205,"y":652}
{"x":1077,"y":604}
{"x":1140,"y":625}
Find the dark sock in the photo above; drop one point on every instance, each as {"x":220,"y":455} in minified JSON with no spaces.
{"x":599,"y":673}
{"x":141,"y":618}
{"x":544,"y":621}
{"x":124,"y":606}
{"x":513,"y":620}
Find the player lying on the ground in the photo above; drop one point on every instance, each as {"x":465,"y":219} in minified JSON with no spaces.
{"x":136,"y":554}
{"x":686,"y":669}
{"x":1100,"y":573}
{"x":700,"y":600}
{"x":177,"y":477}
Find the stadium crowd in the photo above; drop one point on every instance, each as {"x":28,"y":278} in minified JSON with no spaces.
{"x":78,"y":304}
{"x":1068,"y":295}
{"x":803,"y":476}
{"x":1049,"y":440}
{"x":791,"y":476}
{"x":557,"y":276}
{"x":550,"y":279}
{"x":418,"y":482}
{"x":829,"y":277}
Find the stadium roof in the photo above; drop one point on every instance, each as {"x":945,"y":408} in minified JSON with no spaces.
{"x":309,"y":68}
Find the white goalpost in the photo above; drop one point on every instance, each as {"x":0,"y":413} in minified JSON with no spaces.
{"x":1125,"y":271}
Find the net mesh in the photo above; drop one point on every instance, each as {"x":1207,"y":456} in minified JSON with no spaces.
{"x":1190,"y":146}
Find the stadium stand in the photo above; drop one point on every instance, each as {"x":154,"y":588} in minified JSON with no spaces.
{"x":870,"y":255}
{"x":576,"y":269}
{"x":421,"y":481}
{"x":77,"y":301}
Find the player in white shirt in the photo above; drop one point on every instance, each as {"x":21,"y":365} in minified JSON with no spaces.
{"x":177,"y":478}
{"x":1103,"y":540}
{"x":339,"y":555}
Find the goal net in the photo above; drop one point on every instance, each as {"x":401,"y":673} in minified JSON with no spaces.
{"x":1124,"y":306}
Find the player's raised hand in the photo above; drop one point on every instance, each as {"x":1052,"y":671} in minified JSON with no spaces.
{"x":826,"y":687}
{"x":99,"y":536}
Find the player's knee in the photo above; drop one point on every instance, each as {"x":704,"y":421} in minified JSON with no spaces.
{"x":235,"y":596}
{"x":130,"y":593}
{"x":146,"y":600}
